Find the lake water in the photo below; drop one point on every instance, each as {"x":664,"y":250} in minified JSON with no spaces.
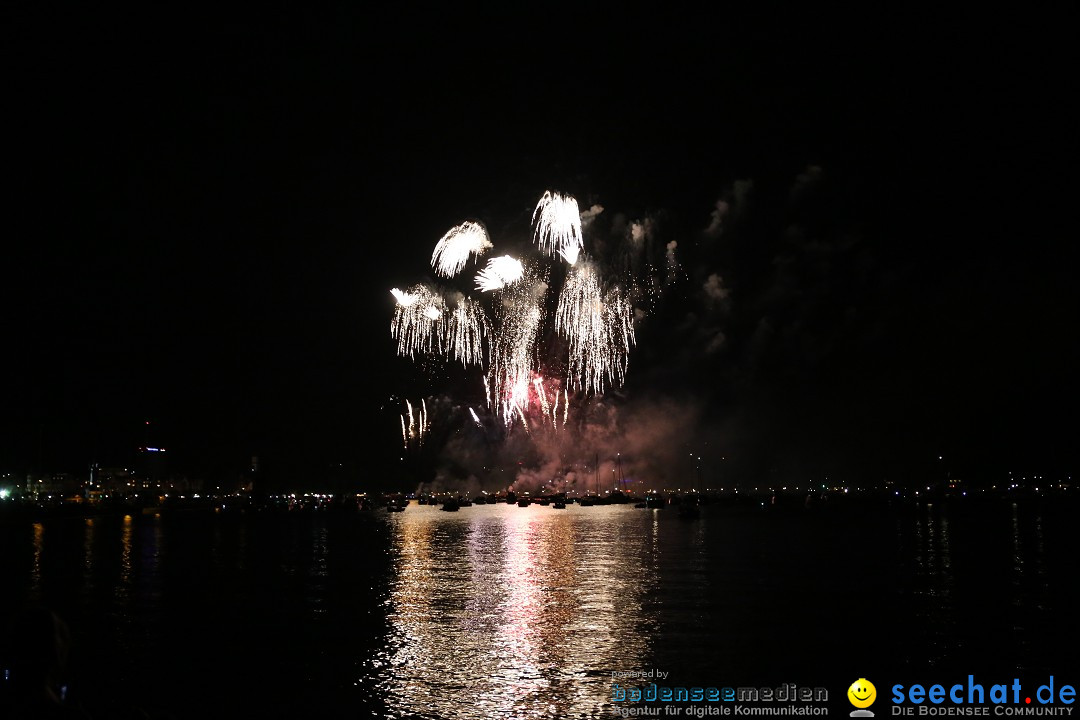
{"x":501,"y":611}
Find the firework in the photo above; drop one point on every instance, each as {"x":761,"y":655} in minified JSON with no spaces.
{"x":547,"y":330}
{"x":599,"y":328}
{"x":555,"y":413}
{"x":453,"y":250}
{"x":414,"y":426}
{"x":499,"y":273}
{"x":557,"y":226}
{"x":519,"y":311}
{"x":503,"y":328}
{"x":416,"y":321}
{"x":465,"y":330}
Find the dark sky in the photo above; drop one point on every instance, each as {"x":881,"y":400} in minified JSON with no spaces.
{"x":205,"y":213}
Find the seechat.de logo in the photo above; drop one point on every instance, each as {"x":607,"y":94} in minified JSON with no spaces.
{"x":862,"y":694}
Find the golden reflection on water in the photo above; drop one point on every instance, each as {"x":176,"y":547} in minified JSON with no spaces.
{"x":123,"y":587}
{"x":511,"y":612}
{"x":35,"y":568}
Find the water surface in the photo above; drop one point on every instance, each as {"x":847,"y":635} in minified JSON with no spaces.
{"x":501,"y":611}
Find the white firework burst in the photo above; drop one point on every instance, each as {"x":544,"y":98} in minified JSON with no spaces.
{"x":519,"y":313}
{"x":557,"y":226}
{"x":502,"y":326}
{"x":599,"y":327}
{"x":416,"y":323}
{"x":454,"y":248}
{"x":466,"y":330}
{"x":500,"y":272}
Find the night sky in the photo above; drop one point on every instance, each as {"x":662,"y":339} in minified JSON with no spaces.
{"x":206,"y":211}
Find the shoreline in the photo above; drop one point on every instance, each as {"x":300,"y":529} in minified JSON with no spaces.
{"x":742,"y":503}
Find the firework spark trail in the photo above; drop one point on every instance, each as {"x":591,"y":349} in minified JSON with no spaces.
{"x":499,"y":273}
{"x":412,"y":427}
{"x":408,"y":428}
{"x":599,"y":327}
{"x":510,"y":375}
{"x":538,"y":383}
{"x":555,"y":413}
{"x":672,"y":263}
{"x":557,"y":226}
{"x":424,"y":426}
{"x":416,"y":321}
{"x":453,"y":250}
{"x":466,"y":329}
{"x":519,"y":311}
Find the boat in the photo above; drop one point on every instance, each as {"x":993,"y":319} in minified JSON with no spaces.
{"x":523,"y":502}
{"x":588,"y":499}
{"x":450,"y":505}
{"x":617,"y":498}
{"x":559,"y":505}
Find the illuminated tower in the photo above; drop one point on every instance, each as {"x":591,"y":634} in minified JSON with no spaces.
{"x":150,"y":467}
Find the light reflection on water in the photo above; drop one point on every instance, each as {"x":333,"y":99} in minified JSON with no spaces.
{"x":501,"y":611}
{"x":934,"y":583}
{"x":123,"y":588}
{"x":35,"y":568}
{"x":1031,"y":601}
{"x":511,"y":612}
{"x":318,"y":572}
{"x":88,"y":559}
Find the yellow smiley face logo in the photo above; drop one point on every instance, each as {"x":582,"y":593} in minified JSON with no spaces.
{"x":862,"y":693}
